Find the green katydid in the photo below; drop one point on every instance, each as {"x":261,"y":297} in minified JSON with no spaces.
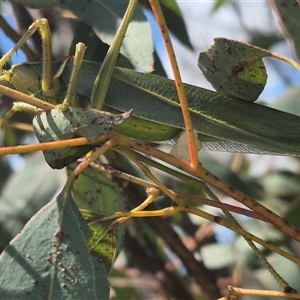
{"x":223,"y":123}
{"x":64,"y":122}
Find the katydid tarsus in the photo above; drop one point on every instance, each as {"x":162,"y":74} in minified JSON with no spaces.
{"x":142,"y":126}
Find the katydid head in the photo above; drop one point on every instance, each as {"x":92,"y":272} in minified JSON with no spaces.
{"x":27,"y":78}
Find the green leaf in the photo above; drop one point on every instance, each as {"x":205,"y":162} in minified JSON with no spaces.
{"x":224,"y":123}
{"x":97,"y":196}
{"x":235,"y":68}
{"x":95,"y":192}
{"x":96,"y":221}
{"x":289,"y":101}
{"x":105,"y":248}
{"x":288,"y":16}
{"x":105,"y":18}
{"x":25,"y":193}
{"x":49,"y":259}
{"x":103,"y":241}
{"x":96,"y":49}
{"x":293,"y":212}
{"x":217,"y":256}
{"x":265,"y":40}
{"x":75,"y":122}
{"x":283,"y":185}
{"x":174,"y":20}
{"x":218,"y":4}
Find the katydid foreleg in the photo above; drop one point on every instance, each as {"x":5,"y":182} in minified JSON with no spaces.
{"x":49,"y":86}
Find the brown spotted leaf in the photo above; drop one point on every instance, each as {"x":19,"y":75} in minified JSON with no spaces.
{"x":288,"y":16}
{"x":98,"y":196}
{"x":235,"y":68}
{"x":50,"y":259}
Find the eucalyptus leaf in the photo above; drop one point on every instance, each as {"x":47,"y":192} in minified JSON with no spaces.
{"x":289,"y":101}
{"x":288,"y":15}
{"x":105,"y":248}
{"x":174,"y":20}
{"x":103,"y":241}
{"x":235,"y":68}
{"x":217,"y":256}
{"x":96,"y":221}
{"x":293,"y":212}
{"x":105,"y":18}
{"x":25,"y":193}
{"x":218,"y":4}
{"x":49,"y":259}
{"x":97,"y":196}
{"x":96,"y":49}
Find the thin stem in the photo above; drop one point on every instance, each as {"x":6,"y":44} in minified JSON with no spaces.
{"x":142,"y":206}
{"x":50,"y":145}
{"x":141,"y":214}
{"x":221,"y":205}
{"x":200,"y":185}
{"x":239,"y":230}
{"x":208,"y":177}
{"x":286,"y":59}
{"x":186,"y":197}
{"x":201,"y":173}
{"x":179,"y":85}
{"x":13,"y":94}
{"x":110,"y":143}
{"x":236,"y":292}
{"x":148,"y":173}
{"x":125,"y":176}
{"x":282,"y":283}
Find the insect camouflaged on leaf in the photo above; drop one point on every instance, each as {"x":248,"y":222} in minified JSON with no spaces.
{"x":223,"y":123}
